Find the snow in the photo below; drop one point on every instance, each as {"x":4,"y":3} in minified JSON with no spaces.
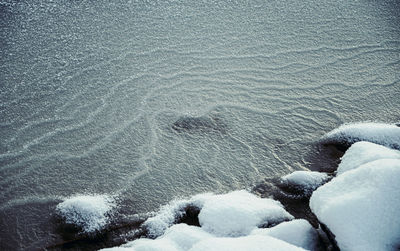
{"x":226,"y":221}
{"x":182,"y":237}
{"x":380,"y":133}
{"x":232,"y":214}
{"x":361,"y":207}
{"x":306,"y":179}
{"x":246,"y":243}
{"x":169,"y":213}
{"x":238,"y":213}
{"x":89,"y":212}
{"x":297,"y":232}
{"x":364,"y":152}
{"x":177,"y":237}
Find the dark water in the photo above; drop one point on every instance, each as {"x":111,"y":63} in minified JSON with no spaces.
{"x":149,"y":100}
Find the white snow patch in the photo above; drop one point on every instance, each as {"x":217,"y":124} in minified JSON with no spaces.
{"x":222,"y":217}
{"x":182,"y":237}
{"x":89,"y":212}
{"x":362,"y":206}
{"x":177,"y":237}
{"x":238,"y":213}
{"x":380,"y":133}
{"x":306,"y":179}
{"x":364,"y":152}
{"x":297,"y":232}
{"x":246,"y":243}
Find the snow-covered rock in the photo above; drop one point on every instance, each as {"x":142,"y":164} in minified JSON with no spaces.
{"x":361,"y":207}
{"x":177,"y":237}
{"x":182,"y":237}
{"x":380,"y":133}
{"x":238,"y":213}
{"x":90,"y":213}
{"x":226,"y":221}
{"x":297,"y":232}
{"x":363,"y":152}
{"x":306,"y":180}
{"x":168,"y":214}
{"x":246,"y":243}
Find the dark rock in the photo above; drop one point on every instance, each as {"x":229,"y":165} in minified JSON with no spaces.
{"x":199,"y":124}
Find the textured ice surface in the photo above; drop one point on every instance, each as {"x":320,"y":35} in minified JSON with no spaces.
{"x":297,"y":232}
{"x":86,"y":211}
{"x":361,"y":207}
{"x":380,"y":133}
{"x":364,"y":152}
{"x":306,"y":179}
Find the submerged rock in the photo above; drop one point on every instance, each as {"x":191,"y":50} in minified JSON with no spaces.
{"x":202,"y":124}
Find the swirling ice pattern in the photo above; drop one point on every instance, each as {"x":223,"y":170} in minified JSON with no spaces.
{"x":88,"y":103}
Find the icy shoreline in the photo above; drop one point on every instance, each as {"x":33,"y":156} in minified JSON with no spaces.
{"x":357,"y":209}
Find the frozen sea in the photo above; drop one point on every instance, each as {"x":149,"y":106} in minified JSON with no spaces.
{"x":146,"y":101}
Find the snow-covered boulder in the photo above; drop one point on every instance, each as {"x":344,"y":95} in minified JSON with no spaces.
{"x":361,"y":207}
{"x":226,"y":221}
{"x":306,"y":181}
{"x":380,"y":133}
{"x":363,"y":152}
{"x":297,"y":232}
{"x":88,"y":212}
{"x":246,"y":243}
{"x":238,"y":213}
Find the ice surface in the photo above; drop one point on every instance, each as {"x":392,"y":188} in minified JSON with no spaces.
{"x":86,"y":211}
{"x":364,"y":152}
{"x":380,"y":133}
{"x":306,"y":179}
{"x":238,"y":213}
{"x":297,"y":232}
{"x":361,"y":207}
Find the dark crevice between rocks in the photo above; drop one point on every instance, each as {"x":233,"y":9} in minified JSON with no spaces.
{"x":189,"y":216}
